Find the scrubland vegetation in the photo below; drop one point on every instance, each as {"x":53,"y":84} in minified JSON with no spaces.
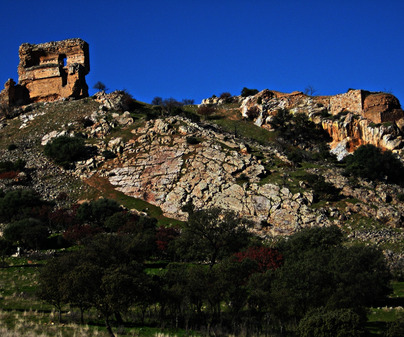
{"x":97,"y":269}
{"x":210,"y":276}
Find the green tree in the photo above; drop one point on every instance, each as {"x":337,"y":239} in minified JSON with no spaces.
{"x":97,"y":211}
{"x":6,"y":248}
{"x":212,"y":234}
{"x":100,"y":86}
{"x":29,"y":233}
{"x":320,"y":272}
{"x":370,"y":162}
{"x":104,"y":274}
{"x":248,"y":92}
{"x":335,"y":323}
{"x":51,"y":288}
{"x":19,"y":204}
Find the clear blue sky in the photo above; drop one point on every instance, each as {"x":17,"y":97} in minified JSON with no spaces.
{"x":194,"y":49}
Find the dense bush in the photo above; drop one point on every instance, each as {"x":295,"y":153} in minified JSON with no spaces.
{"x":298,"y":129}
{"x":318,"y":271}
{"x":370,"y":162}
{"x":192,"y":140}
{"x":96,"y":212}
{"x":7,"y":166}
{"x":248,"y":92}
{"x":28,"y":233}
{"x":331,"y":323}
{"x":12,"y":147}
{"x":20,"y":204}
{"x":108,"y":154}
{"x":64,"y":150}
{"x":322,"y":189}
{"x":206,"y":110}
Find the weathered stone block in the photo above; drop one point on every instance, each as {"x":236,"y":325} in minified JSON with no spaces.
{"x":48,"y":72}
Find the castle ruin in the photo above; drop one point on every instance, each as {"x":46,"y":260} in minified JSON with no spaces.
{"x":48,"y":72}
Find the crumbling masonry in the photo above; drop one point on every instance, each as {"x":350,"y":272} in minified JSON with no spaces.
{"x":48,"y":72}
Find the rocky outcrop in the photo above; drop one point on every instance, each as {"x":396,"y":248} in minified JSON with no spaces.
{"x":352,"y":131}
{"x":382,"y":107}
{"x":48,"y":72}
{"x":159,"y":165}
{"x":351,"y":119}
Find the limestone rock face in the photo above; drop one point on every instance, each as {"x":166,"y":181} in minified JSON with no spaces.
{"x":355,"y":118}
{"x":50,"y":71}
{"x":159,"y":166}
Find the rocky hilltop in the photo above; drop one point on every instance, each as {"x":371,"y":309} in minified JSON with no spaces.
{"x":164,"y":160}
{"x":352,"y":119}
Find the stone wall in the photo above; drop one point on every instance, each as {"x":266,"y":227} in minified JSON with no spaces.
{"x":54,"y":70}
{"x":350,"y":101}
{"x":48,"y":72}
{"x":382,"y":107}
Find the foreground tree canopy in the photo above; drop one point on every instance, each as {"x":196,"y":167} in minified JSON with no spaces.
{"x":230,"y":283}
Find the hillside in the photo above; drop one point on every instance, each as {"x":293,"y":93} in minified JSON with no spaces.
{"x":236,"y":218}
{"x":156,"y":161}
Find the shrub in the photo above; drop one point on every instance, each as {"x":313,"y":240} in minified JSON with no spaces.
{"x":322,"y":189}
{"x":107,"y":154}
{"x":95,"y":212}
{"x":118,"y":220}
{"x":8,"y":166}
{"x":335,"y":323}
{"x":11,"y":147}
{"x":61,"y":218}
{"x":19,"y":204}
{"x":253,"y":112}
{"x":6,"y":110}
{"x":100,"y":86}
{"x":79,"y":233}
{"x":157,"y":101}
{"x":295,"y":155}
{"x":248,"y":92}
{"x":370,"y":162}
{"x":187,"y":101}
{"x":64,"y":150}
{"x":128,"y":103}
{"x":191,"y":116}
{"x":86,"y":122}
{"x":164,"y":236}
{"x":206,"y":110}
{"x":265,"y":257}
{"x":192,"y":141}
{"x":29,"y":233}
{"x":226,"y":97}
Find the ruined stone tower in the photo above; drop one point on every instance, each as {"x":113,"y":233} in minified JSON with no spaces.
{"x":50,"y":71}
